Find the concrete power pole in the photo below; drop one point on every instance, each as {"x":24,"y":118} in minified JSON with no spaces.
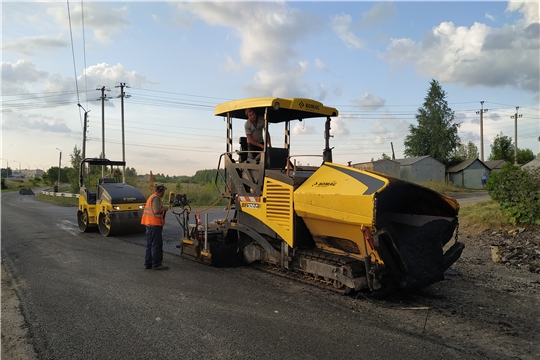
{"x":103,"y":98}
{"x":515,"y":117}
{"x":481,"y":112}
{"x":122,"y":96}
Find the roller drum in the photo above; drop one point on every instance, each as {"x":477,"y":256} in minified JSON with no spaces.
{"x":128,"y":222}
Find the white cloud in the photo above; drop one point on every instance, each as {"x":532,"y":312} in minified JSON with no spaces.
{"x":103,"y":21}
{"x":29,"y":45}
{"x":24,"y":77}
{"x":479,"y":55}
{"x":231,"y":65}
{"x":467,"y":136}
{"x":339,"y":127}
{"x":100,"y":74}
{"x":300,"y":128}
{"x":268,"y":34}
{"x":387,"y":129}
{"x":370,"y":102}
{"x":320,"y":65}
{"x":287,"y":82}
{"x":490,"y":17}
{"x":16,"y":76}
{"x":378,"y":14}
{"x":494,"y":116}
{"x":529,"y":9}
{"x":342,"y":25}
{"x":34,"y":122}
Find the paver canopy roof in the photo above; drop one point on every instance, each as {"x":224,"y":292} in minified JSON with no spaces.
{"x":279,"y":109}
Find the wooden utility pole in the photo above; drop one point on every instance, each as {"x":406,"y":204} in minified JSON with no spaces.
{"x":481,"y":112}
{"x":515,"y":117}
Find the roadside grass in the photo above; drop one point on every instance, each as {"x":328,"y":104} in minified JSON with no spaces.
{"x":58,"y":200}
{"x":198,"y":195}
{"x":485,"y":214}
{"x":17,"y":184}
{"x":443,"y":186}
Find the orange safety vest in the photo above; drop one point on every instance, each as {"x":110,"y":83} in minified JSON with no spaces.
{"x":148,"y":217}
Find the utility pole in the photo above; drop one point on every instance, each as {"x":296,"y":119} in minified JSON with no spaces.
{"x":122,"y":96}
{"x":59,"y":167}
{"x":84,"y":131}
{"x":515,"y":117}
{"x":103,"y":98}
{"x":481,"y":112}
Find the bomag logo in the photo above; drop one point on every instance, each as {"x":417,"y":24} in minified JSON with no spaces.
{"x":324,"y":183}
{"x":130,"y":199}
{"x":308,"y":106}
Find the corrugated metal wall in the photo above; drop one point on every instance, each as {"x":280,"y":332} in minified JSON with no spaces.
{"x":425,"y":170}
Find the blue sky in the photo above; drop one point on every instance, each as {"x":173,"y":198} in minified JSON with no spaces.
{"x":372,"y":61}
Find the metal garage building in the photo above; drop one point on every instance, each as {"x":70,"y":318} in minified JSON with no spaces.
{"x":385,"y":166}
{"x":421,"y":169}
{"x":495,"y":165}
{"x":534,"y":164}
{"x":468,"y":174}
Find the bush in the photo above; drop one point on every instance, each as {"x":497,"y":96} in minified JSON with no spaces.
{"x":518,"y":193}
{"x":4,"y":186}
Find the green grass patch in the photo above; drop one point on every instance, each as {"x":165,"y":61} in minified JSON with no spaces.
{"x":58,"y":200}
{"x":487,"y":214}
{"x":442,"y":186}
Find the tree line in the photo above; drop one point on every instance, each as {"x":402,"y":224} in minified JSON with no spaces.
{"x":437,"y":135}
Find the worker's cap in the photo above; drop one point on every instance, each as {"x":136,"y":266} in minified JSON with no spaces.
{"x":160,"y":187}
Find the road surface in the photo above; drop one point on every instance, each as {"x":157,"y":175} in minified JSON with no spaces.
{"x":84,"y":296}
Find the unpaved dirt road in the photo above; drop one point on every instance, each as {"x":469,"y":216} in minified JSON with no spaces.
{"x":482,"y":310}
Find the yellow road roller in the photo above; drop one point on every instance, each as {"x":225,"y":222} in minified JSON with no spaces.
{"x":113,"y":208}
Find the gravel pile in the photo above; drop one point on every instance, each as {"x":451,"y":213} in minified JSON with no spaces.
{"x":517,"y":248}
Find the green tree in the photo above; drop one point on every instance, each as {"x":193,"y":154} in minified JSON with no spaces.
{"x":6,"y":172}
{"x":502,"y":149}
{"x":436,"y":134}
{"x":51,"y":176}
{"x":73,"y":175}
{"x":131,"y":173}
{"x":384,"y":156}
{"x":203,"y":177}
{"x":524,"y":156}
{"x":463,"y":152}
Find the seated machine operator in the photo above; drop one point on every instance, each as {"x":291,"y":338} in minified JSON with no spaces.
{"x":254,"y":128}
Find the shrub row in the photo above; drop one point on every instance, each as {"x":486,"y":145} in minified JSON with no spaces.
{"x":518,"y":193}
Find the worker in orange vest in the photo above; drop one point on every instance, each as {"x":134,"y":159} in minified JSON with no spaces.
{"x":154,"y":219}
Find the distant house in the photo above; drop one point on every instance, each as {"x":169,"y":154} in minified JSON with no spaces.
{"x":495,"y":165}
{"x":468,"y":173}
{"x":385,"y":166}
{"x":421,"y":169}
{"x":17,"y":175}
{"x":534,"y":164}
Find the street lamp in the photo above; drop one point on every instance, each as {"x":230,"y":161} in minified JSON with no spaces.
{"x":59,"y":166}
{"x":19,"y":165}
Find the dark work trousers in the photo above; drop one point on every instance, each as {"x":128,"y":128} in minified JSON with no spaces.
{"x":252,"y":147}
{"x":154,"y":246}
